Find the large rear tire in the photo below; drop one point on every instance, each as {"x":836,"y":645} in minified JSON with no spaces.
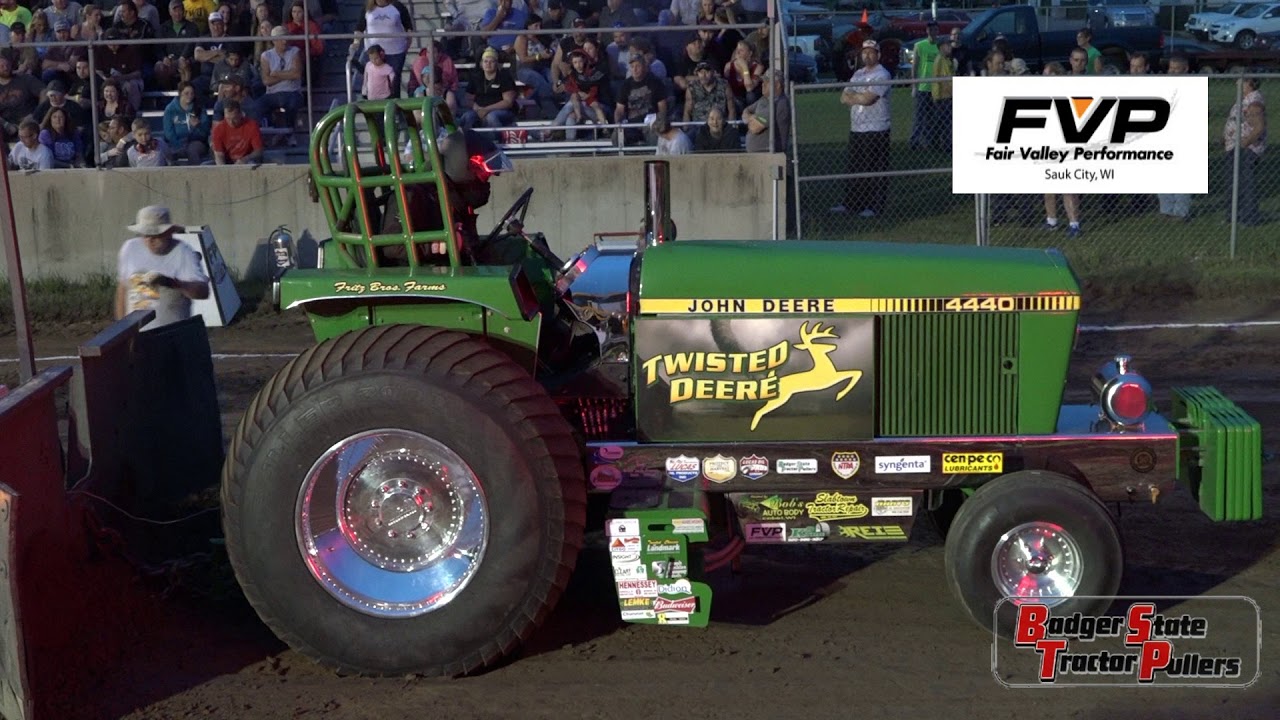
{"x":403,"y":500}
{"x":1037,"y":537}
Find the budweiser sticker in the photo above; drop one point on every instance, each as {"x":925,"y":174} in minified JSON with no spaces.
{"x":683,"y":605}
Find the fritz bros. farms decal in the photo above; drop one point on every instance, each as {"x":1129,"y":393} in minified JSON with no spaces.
{"x":755,"y":378}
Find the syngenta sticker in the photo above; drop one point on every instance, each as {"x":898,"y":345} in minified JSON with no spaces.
{"x":902,"y":464}
{"x":1085,"y":134}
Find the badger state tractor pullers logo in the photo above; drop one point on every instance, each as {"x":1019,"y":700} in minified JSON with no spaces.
{"x":776,"y":390}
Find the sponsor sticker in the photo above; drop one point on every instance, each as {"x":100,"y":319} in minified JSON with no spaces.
{"x":679,"y":587}
{"x":835,"y":506}
{"x":683,"y":468}
{"x":609,"y":453}
{"x":753,"y":467}
{"x":606,"y":477}
{"x":638,"y":602}
{"x":809,"y":533}
{"x":637,"y":615}
{"x":797,"y":466}
{"x":668,"y":569}
{"x":625,"y":544}
{"x":637,"y":589}
{"x":688,"y":526}
{"x":892,"y":507}
{"x":662,"y":546}
{"x":903,"y":464}
{"x":972,"y":463}
{"x":765,"y":532}
{"x":681,"y":605}
{"x":1081,"y":135}
{"x":625,"y":558}
{"x":673,"y":618}
{"x":630,"y":571}
{"x":624,"y":526}
{"x":719,"y":469}
{"x":845,"y":464}
{"x":872,"y":532}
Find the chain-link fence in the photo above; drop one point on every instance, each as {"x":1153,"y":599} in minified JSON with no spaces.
{"x":843,"y":193}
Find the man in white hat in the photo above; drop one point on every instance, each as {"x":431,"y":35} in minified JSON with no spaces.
{"x":867,"y":96}
{"x":156,"y":271}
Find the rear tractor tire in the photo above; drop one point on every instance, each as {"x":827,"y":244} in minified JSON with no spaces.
{"x":1032,"y":536}
{"x":402,"y":500}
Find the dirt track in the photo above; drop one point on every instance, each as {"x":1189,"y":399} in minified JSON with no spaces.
{"x":842,"y":631}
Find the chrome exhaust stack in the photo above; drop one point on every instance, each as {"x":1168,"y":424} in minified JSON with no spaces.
{"x":658,"y":226}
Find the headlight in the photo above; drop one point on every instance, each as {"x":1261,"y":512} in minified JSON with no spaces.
{"x":1123,"y":395}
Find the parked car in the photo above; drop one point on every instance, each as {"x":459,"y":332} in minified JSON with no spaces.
{"x":1198,"y":24}
{"x":915,"y":24}
{"x":1021,"y":28}
{"x":1120,"y":13}
{"x":1242,"y":30}
{"x":1208,"y":58}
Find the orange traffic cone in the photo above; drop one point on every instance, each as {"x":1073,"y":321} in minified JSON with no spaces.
{"x":864,"y":16}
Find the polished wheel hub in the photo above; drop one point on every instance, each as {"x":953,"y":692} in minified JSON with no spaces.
{"x":392,"y":523}
{"x":1039,"y":561}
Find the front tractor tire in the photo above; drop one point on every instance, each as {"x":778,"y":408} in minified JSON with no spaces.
{"x":403,"y":500}
{"x":1032,"y":536}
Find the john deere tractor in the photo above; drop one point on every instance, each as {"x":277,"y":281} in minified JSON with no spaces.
{"x":410,"y":495}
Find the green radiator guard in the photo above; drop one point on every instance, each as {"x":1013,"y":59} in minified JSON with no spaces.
{"x":664,"y":566}
{"x":1221,"y":453}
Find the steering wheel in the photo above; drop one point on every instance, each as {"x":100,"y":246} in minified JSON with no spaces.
{"x":537,"y":242}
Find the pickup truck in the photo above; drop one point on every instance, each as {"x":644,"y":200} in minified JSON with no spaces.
{"x":1021,"y":28}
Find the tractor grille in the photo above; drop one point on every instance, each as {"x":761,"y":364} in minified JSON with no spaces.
{"x":948,"y":374}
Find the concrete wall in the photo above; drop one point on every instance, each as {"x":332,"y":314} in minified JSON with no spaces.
{"x":71,"y":222}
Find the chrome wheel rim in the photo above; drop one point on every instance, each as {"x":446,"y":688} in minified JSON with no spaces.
{"x":391,"y":523}
{"x":1037,"y":561}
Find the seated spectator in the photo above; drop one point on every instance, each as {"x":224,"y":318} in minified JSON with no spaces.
{"x":114,"y":141}
{"x":40,"y":33}
{"x":60,"y":62}
{"x":22,"y":53}
{"x":147,"y":150}
{"x":504,"y":15}
{"x":560,"y":67}
{"x":237,"y":140}
{"x":211,"y":51}
{"x":718,"y":51}
{"x":176,"y":60}
{"x":59,"y":11}
{"x":233,"y":88}
{"x":186,"y":126}
{"x":685,"y":69}
{"x":491,"y":95}
{"x":19,"y":96}
{"x":1054,"y":68}
{"x":56,"y":97}
{"x":90,"y":26}
{"x":198,"y":12}
{"x":113,"y":102}
{"x":233,"y":65}
{"x":707,"y":92}
{"x":585,"y":85}
{"x":122,"y":63}
{"x":641,"y":95}
{"x":769,"y":115}
{"x":299,"y":24}
{"x":533,"y":65}
{"x":435,"y":57}
{"x":717,"y":135}
{"x":131,"y":26}
{"x":597,"y":59}
{"x":11,"y":13}
{"x":440,"y":90}
{"x":323,"y":12}
{"x":80,"y":90}
{"x":282,"y":74}
{"x":59,"y":133}
{"x":670,"y":140}
{"x":743,"y":73}
{"x":558,"y":16}
{"x":238,"y":18}
{"x":643,"y":47}
{"x":685,"y":12}
{"x":617,"y":13}
{"x":378,"y":75}
{"x":28,"y":153}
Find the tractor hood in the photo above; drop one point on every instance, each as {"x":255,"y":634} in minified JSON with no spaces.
{"x":723,"y":269}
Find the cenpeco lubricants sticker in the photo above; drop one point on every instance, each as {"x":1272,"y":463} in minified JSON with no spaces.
{"x":755,"y":378}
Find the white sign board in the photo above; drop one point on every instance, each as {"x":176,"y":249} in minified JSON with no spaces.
{"x":223,"y":302}
{"x":1081,"y":134}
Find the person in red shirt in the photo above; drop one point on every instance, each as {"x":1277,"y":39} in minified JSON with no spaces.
{"x":236,"y":139}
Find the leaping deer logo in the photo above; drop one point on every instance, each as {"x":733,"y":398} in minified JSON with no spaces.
{"x":822,"y":376}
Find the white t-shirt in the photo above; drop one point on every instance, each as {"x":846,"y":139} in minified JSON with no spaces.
{"x":180,"y":263}
{"x":25,"y":158}
{"x":386,"y":20}
{"x":679,"y":144}
{"x":873,"y":117}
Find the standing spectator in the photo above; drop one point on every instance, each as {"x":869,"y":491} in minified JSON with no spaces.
{"x":769,"y":117}
{"x":1248,"y":131}
{"x":716,"y":135}
{"x":924,"y":125}
{"x":59,"y":133}
{"x":960,"y":56}
{"x":377,"y":75}
{"x":147,"y":150}
{"x":641,"y":95}
{"x":670,"y":140}
{"x":994,"y":65}
{"x":186,"y":126}
{"x":491,"y":95}
{"x":943,"y":69}
{"x":391,"y":19}
{"x":237,"y":140}
{"x":1070,"y":201}
{"x":28,"y":153}
{"x":1137,"y":64}
{"x":707,"y":92}
{"x":175,"y":63}
{"x":19,"y":96}
{"x":282,"y":74}
{"x":156,"y":271}
{"x":1176,"y":205}
{"x":1054,"y":68}
{"x":868,"y":99}
{"x":1093,"y":56}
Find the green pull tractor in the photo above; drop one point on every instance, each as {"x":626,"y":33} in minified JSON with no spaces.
{"x":411,"y":494}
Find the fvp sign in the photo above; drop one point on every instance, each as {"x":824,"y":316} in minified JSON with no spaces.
{"x":1081,"y":135}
